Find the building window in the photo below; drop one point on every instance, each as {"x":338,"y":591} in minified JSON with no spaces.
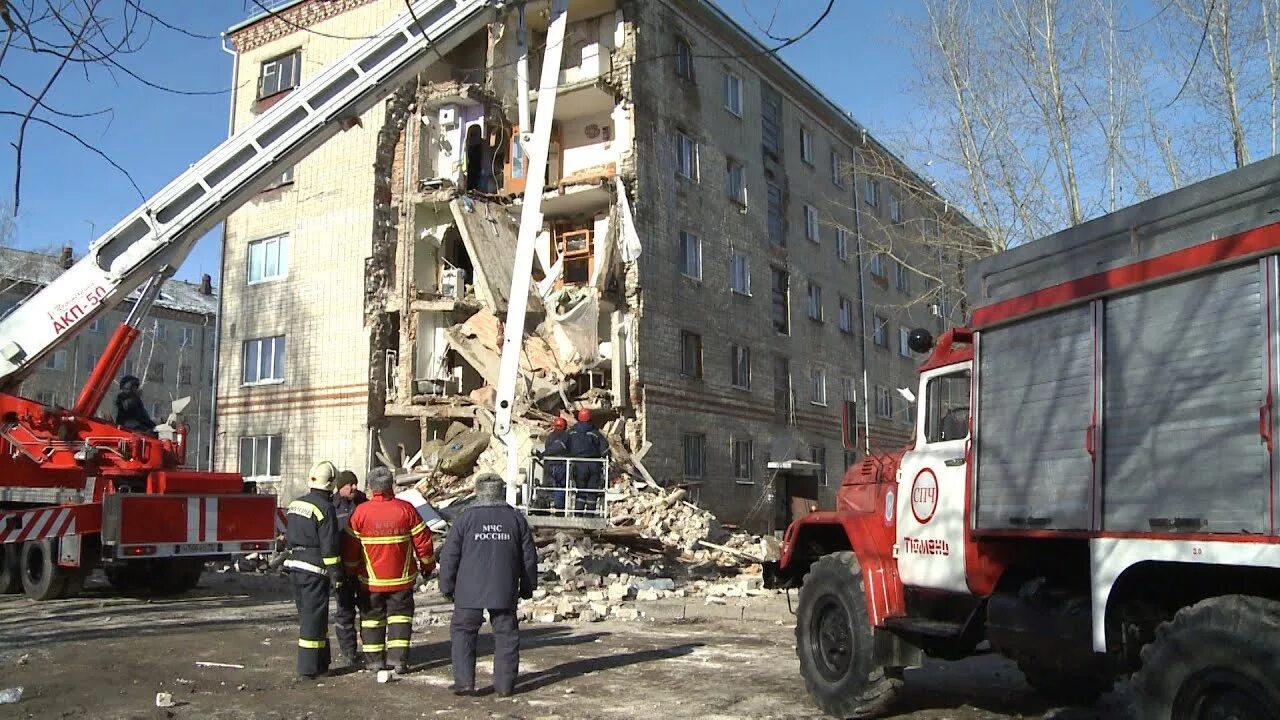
{"x":818,"y":386}
{"x":91,"y":362}
{"x":279,"y":74}
{"x":842,"y":244}
{"x":884,"y":403}
{"x":782,"y":388}
{"x":161,"y":331}
{"x":806,"y":145}
{"x":736,"y":181}
{"x":815,"y":301}
{"x":184,"y":374}
{"x":575,"y":247}
{"x":819,"y":456}
{"x":694,"y":446}
{"x":684,"y":59}
{"x":837,"y":170}
{"x":268,"y":259}
{"x":903,"y":348}
{"x":781,"y":301}
{"x":846,"y":315}
{"x":95,"y":326}
{"x":690,"y":255}
{"x":740,"y":366}
{"x":56,"y":361}
{"x":155,"y":372}
{"x":686,"y":156}
{"x":740,"y":273}
{"x":263,"y":360}
{"x":871,"y":191}
{"x":947,"y":411}
{"x":880,"y":331}
{"x":742,"y":452}
{"x":733,"y":93}
{"x":902,"y":277}
{"x":811,"y":223}
{"x":186,"y":336}
{"x":777,"y":234}
{"x":877,"y":265}
{"x":260,"y":457}
{"x":895,"y":208}
{"x":771,"y":121}
{"x":849,"y":415}
{"x":47,"y":397}
{"x":690,"y":354}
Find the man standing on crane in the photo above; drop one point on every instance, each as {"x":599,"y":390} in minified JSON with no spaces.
{"x":390,"y":533}
{"x":345,"y":501}
{"x":488,"y":561}
{"x":131,"y":411}
{"x":312,"y":539}
{"x":587,"y":443}
{"x":556,"y":448}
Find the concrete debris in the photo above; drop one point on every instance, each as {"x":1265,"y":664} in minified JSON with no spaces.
{"x":165,"y":700}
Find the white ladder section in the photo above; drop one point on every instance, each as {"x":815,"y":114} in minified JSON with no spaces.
{"x":156,"y":237}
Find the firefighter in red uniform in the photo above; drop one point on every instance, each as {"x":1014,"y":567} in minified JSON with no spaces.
{"x":396,"y":546}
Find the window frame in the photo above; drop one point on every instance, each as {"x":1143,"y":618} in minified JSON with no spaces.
{"x":884,"y":412}
{"x":842,"y":244}
{"x":902,"y":277}
{"x":696,"y":442}
{"x":775,"y":222}
{"x":813,"y":298}
{"x":837,"y":174}
{"x":818,"y":386}
{"x":734,"y":257}
{"x":684,"y":66}
{"x":880,"y":331}
{"x":186,"y":336}
{"x":733,"y":91}
{"x":806,"y":146}
{"x":736,"y":461}
{"x":281,"y":243}
{"x":686,"y":153}
{"x":690,"y":241}
{"x":871,"y":192}
{"x":55,"y":361}
{"x":811,"y":225}
{"x":736,"y":190}
{"x":244,"y":364}
{"x":895,"y":208}
{"x":903,"y":348}
{"x":785,"y":294}
{"x":847,"y":311}
{"x":274,"y":453}
{"x":876,"y":266}
{"x":691,"y":366}
{"x":295,"y":79}
{"x":740,"y":364}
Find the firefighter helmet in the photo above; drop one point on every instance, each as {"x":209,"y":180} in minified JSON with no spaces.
{"x":584,"y":415}
{"x":322,"y":476}
{"x":559,"y":423}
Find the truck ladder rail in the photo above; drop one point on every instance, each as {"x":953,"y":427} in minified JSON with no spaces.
{"x":157,"y":236}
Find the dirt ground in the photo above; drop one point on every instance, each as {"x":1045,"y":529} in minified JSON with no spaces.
{"x":103,"y":656}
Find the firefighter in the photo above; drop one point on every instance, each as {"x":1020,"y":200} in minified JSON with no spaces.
{"x":556,"y":446}
{"x":391,"y":534}
{"x":488,"y":561}
{"x":586,"y":442}
{"x":131,"y":411}
{"x":349,"y":594}
{"x":314,"y":567}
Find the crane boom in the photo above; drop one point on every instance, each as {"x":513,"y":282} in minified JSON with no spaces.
{"x":155,"y":238}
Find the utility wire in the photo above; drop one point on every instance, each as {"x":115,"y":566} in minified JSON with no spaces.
{"x":1208,"y":18}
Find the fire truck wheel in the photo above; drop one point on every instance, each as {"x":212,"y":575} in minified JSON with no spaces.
{"x":10,"y":573}
{"x":1219,"y":658}
{"x":174,"y":577}
{"x":126,"y":576}
{"x":834,"y":642}
{"x":41,"y":578}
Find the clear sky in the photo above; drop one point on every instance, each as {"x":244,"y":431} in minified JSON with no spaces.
{"x":71,"y":196}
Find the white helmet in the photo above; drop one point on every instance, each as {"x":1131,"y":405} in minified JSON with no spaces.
{"x":322,"y":476}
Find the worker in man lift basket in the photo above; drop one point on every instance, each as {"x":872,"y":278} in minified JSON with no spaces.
{"x":553,"y":468}
{"x":488,"y":561}
{"x":350,"y":594}
{"x":313,"y":564}
{"x":131,"y":411}
{"x":587,"y":443}
{"x":395,"y":545}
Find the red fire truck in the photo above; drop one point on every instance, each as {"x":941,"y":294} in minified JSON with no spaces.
{"x":1092,"y":486}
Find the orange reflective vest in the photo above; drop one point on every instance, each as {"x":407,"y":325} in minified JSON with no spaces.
{"x":393,"y":540}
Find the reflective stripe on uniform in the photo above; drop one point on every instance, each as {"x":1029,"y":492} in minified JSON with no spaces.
{"x":374,"y":648}
{"x":385,"y":539}
{"x":302,"y":507}
{"x":418,"y":528}
{"x":394,"y":619}
{"x":377,"y":582}
{"x":371,"y":623}
{"x":397,"y":643}
{"x":313,"y":644}
{"x":332,"y":560}
{"x":304,"y":566}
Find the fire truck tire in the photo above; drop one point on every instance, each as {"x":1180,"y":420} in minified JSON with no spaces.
{"x":174,"y":577}
{"x":41,"y":577}
{"x":10,"y":572}
{"x":1217,"y":658}
{"x":835,"y":644}
{"x":126,"y":576}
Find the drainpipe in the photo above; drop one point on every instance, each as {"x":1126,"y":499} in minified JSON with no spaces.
{"x":862,"y":309}
{"x":217,"y":325}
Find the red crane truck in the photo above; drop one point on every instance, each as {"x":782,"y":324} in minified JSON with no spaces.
{"x":1092,"y":488}
{"x":76,"y":490}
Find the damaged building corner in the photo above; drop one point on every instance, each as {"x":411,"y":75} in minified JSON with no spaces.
{"x":450,"y":169}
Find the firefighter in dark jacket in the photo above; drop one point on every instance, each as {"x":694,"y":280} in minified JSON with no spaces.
{"x":587,"y":443}
{"x":131,"y":411}
{"x":488,"y":562}
{"x":345,"y":500}
{"x":396,"y":546}
{"x":557,"y":446}
{"x":314,"y":567}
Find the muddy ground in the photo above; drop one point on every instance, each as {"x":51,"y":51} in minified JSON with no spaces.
{"x":104,"y":656}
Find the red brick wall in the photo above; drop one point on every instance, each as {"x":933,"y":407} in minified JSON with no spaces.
{"x":289,"y":21}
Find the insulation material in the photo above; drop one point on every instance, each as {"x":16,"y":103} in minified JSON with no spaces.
{"x":628,"y":239}
{"x":576,"y":329}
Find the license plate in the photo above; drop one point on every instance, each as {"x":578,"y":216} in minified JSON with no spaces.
{"x":194,"y":548}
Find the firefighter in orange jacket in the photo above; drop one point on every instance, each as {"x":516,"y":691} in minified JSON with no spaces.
{"x":395,"y":545}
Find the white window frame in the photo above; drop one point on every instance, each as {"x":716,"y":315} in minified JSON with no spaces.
{"x":847,"y":320}
{"x":95,"y":326}
{"x":814,"y":296}
{"x":276,"y":375}
{"x":186,"y":336}
{"x":686,"y":156}
{"x":895,"y":208}
{"x":690,"y":255}
{"x":806,"y":145}
{"x":904,"y":349}
{"x":736,"y":445}
{"x":811,"y":223}
{"x":817,"y":386}
{"x":684,"y":59}
{"x":56,"y":362}
{"x":884,"y":403}
{"x":733,"y":93}
{"x":871,"y":192}
{"x":880,"y":331}
{"x":739,"y":355}
{"x":842,"y":244}
{"x":740,"y":273}
{"x":262,"y":248}
{"x":735,"y":180}
{"x":273,"y":69}
{"x":837,"y":174}
{"x":274,"y":445}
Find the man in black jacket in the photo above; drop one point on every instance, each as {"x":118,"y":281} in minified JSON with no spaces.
{"x":348,"y":598}
{"x":314,"y":565}
{"x":586,"y":442}
{"x":131,"y":411}
{"x":488,"y":562}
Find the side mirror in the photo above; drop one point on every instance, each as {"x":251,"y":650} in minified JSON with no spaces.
{"x":920,"y":341}
{"x":907,"y":395}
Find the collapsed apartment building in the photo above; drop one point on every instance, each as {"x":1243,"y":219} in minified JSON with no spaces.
{"x":684,"y":209}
